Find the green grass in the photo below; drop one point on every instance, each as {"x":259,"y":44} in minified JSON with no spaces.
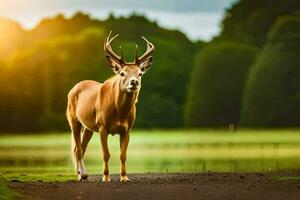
{"x":6,"y":193}
{"x":46,"y":157}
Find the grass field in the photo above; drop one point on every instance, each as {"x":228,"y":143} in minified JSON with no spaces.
{"x":47,"y":156}
{"x":4,"y":191}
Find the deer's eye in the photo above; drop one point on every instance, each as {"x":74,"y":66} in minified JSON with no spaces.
{"x":140,"y":74}
{"x":122,"y":74}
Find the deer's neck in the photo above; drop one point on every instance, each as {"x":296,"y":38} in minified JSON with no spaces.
{"x":125,"y":101}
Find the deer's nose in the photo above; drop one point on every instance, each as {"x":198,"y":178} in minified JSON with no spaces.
{"x":134,"y":82}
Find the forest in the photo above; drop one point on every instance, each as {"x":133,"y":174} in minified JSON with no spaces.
{"x":248,"y":75}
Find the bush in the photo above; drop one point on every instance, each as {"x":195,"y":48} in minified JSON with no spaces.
{"x":216,"y":85}
{"x":272,"y":94}
{"x":249,"y":21}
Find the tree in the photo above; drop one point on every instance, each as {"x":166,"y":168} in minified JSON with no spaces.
{"x":217,"y":83}
{"x":249,"y":21}
{"x":11,"y":37}
{"x":60,"y":52}
{"x":272,"y":94}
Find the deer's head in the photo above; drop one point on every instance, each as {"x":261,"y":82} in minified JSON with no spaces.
{"x":130,"y":73}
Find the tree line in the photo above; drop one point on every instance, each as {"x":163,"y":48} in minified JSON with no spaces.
{"x":248,"y":75}
{"x":40,"y":66}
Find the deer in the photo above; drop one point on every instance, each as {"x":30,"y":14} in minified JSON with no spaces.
{"x":107,"y":108}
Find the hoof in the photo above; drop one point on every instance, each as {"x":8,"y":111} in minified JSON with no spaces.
{"x":82,"y":178}
{"x":106,"y":178}
{"x":124,"y":179}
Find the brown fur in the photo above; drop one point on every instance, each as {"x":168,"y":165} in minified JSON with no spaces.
{"x":103,"y":108}
{"x":106,"y":108}
{"x":97,"y":105}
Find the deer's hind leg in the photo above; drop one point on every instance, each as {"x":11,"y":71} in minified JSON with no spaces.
{"x":77,"y":152}
{"x":87,"y":135}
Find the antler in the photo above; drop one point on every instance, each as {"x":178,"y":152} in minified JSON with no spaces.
{"x":110,"y":52}
{"x":146,"y":55}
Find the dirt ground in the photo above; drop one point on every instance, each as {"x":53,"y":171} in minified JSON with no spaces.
{"x":168,"y":186}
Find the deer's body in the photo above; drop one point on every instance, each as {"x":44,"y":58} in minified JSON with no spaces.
{"x":107,"y":108}
{"x":103,"y":105}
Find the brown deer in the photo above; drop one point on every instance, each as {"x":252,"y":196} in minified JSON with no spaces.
{"x":107,"y":108}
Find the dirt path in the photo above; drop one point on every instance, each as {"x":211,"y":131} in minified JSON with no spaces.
{"x":168,"y":186}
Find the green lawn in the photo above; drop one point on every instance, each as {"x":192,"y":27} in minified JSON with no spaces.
{"x":47,"y":156}
{"x":6,"y":193}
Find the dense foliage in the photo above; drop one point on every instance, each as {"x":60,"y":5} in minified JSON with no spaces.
{"x":43,"y":64}
{"x":248,"y":75}
{"x":217,"y":84}
{"x":249,"y":21}
{"x":272,"y":94}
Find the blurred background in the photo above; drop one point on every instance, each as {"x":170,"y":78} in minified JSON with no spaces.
{"x":223,"y":93}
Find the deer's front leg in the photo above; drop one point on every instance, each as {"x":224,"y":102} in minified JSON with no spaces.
{"x":106,"y":155}
{"x":124,"y":140}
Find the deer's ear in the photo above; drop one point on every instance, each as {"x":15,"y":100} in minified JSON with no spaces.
{"x":146,"y":64}
{"x":113,"y":64}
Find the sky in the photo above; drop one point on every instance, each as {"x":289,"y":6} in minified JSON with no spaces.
{"x":198,"y":19}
